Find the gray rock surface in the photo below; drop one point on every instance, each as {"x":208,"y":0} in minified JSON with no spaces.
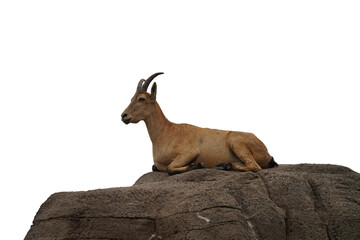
{"x":289,"y":202}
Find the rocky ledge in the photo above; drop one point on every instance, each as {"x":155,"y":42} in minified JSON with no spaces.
{"x":289,"y":202}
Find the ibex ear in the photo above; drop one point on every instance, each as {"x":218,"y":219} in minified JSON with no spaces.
{"x":153,"y":92}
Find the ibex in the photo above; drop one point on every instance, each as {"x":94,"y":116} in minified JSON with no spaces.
{"x":179,"y":148}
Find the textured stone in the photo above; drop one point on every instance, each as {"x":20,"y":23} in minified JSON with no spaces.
{"x":289,"y":202}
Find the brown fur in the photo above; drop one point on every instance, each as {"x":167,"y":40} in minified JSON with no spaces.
{"x":179,"y":147}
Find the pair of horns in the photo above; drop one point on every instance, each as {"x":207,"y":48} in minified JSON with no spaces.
{"x":144,"y":84}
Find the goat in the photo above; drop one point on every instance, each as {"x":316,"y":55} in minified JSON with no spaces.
{"x":179,"y":148}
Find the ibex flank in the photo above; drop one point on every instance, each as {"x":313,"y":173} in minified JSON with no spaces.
{"x":179,"y":148}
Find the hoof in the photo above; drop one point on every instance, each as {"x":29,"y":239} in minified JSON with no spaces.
{"x":155,"y":169}
{"x":221,"y":166}
{"x":224,"y":166}
{"x":228,"y":167}
{"x":200,"y":165}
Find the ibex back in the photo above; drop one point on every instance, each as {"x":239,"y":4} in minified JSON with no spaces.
{"x":181,"y":147}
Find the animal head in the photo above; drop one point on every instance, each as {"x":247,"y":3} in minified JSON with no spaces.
{"x":142,"y":103}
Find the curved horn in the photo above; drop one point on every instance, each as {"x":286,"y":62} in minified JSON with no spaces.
{"x":140,"y":85}
{"x":148,"y":81}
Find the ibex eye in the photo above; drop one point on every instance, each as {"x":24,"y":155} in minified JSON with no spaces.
{"x":141,"y":99}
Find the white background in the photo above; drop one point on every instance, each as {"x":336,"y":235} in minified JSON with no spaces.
{"x":287,"y":71}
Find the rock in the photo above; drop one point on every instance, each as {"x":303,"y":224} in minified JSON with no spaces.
{"x":289,"y":202}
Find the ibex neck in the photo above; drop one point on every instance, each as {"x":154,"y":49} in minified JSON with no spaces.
{"x":157,"y":123}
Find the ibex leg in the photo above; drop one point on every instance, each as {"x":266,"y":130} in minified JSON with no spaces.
{"x":243,"y":153}
{"x":182,"y":163}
